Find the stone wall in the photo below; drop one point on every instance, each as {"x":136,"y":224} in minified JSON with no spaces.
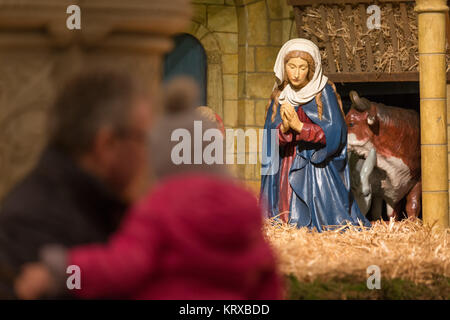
{"x":242,"y":39}
{"x":264,"y":26}
{"x":214,"y":24}
{"x":448,"y":136}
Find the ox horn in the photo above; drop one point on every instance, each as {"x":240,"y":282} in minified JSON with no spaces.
{"x":361,"y":104}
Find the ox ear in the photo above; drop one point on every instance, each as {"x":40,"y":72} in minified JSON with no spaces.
{"x":372,"y":118}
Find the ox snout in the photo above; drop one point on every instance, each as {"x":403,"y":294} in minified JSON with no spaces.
{"x":353,"y":140}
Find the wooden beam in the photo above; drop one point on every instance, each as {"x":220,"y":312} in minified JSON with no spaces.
{"x":328,"y":46}
{"x":411,"y":76}
{"x":353,"y":40}
{"x":367,"y":44}
{"x":381,"y":42}
{"x":340,"y":40}
{"x":406,"y":32}
{"x":393,"y":33}
{"x":313,"y":37}
{"x":298,"y":21}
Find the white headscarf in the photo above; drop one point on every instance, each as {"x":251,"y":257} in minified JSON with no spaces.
{"x":317,"y":83}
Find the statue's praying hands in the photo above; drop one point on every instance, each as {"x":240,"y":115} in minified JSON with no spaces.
{"x":290,"y":118}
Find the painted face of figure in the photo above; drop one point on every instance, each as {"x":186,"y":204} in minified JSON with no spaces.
{"x":297,"y":72}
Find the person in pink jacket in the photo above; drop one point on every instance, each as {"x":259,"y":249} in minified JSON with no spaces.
{"x":196,"y":235}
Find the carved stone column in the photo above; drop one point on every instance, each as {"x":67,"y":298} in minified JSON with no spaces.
{"x":433,"y":110}
{"x":38,"y":52}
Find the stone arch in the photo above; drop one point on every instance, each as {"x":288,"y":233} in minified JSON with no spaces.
{"x":189,"y":58}
{"x":214,"y":89}
{"x":216,"y":27}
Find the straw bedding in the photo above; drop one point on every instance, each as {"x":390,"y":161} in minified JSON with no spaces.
{"x":408,"y":250}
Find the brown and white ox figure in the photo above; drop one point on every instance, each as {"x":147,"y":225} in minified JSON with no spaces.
{"x":388,"y":138}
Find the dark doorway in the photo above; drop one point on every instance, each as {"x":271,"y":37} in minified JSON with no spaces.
{"x":187,"y":58}
{"x":396,"y":94}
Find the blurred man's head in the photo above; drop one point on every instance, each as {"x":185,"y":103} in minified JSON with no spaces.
{"x":102,"y":119}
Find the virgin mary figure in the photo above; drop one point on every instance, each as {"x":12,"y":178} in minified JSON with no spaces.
{"x":305,"y":181}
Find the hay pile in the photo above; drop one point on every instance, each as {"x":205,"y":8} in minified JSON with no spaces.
{"x":407,"y":250}
{"x":380,"y":40}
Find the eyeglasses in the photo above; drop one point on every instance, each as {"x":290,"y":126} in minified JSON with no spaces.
{"x":132,"y":134}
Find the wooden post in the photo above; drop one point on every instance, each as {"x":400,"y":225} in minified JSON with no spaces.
{"x":433,"y":110}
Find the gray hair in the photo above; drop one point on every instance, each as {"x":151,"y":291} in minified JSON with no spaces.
{"x":86,"y":103}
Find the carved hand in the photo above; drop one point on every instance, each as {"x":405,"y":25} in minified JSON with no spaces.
{"x":295,"y":123}
{"x":285,"y":118}
{"x":288,"y":110}
{"x":292,"y":116}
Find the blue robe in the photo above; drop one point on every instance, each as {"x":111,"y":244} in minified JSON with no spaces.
{"x":319,"y":178}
